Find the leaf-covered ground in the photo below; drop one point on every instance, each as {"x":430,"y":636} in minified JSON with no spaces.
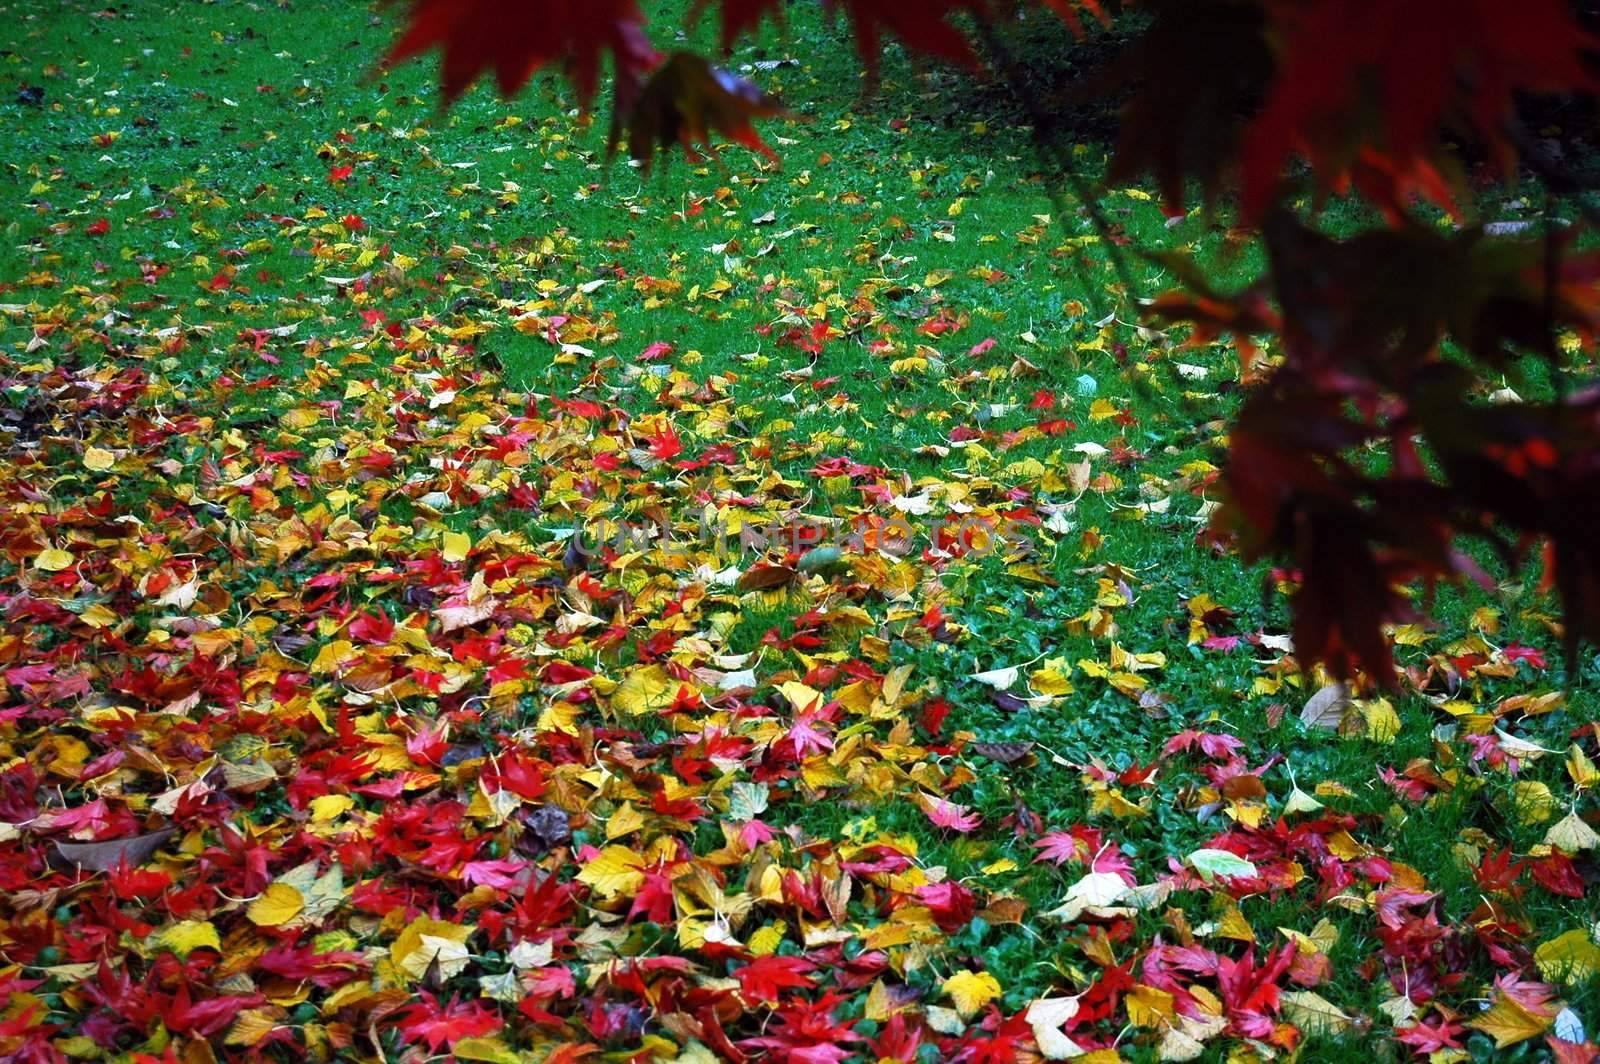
{"x":392,"y":667}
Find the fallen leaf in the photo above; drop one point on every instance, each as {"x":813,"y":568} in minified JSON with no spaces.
{"x":970,"y":991}
{"x":1326,"y":708}
{"x":1508,"y":1022}
{"x":278,"y":904}
{"x":106,"y":856}
{"x":1046,"y":1016}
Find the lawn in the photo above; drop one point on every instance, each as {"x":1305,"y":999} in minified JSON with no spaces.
{"x":340,"y":718}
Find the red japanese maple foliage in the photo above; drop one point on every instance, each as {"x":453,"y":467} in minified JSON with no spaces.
{"x":1378,"y":345}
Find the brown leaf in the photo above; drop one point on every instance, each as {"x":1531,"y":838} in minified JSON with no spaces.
{"x":766,"y":577}
{"x":107,"y":855}
{"x":1327,"y":707}
{"x":1004,"y":911}
{"x":1005,"y":753}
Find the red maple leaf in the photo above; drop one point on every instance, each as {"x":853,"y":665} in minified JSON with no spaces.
{"x":950,"y":904}
{"x":1427,"y":1038}
{"x":517,"y":38}
{"x":445,"y":1025}
{"x":805,"y":1032}
{"x":951,"y":815}
{"x":764,"y":979}
{"x":1418,"y":65}
{"x":666,"y":444}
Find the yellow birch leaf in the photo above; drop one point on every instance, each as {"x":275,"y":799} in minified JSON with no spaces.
{"x":1580,"y":768}
{"x":1508,"y":1023}
{"x":251,"y":1027}
{"x":53,"y":560}
{"x":1532,"y":802}
{"x":189,"y":935}
{"x":278,"y":904}
{"x":626,"y":820}
{"x":801,"y":697}
{"x":644,"y":690}
{"x":491,"y":1050}
{"x":1150,"y":1008}
{"x":1383,"y":723}
{"x":426,"y":941}
{"x":1315,"y":1014}
{"x":97,"y":616}
{"x":615,"y":871}
{"x":766,"y":940}
{"x":1572,"y":957}
{"x":1571,"y":834}
{"x":559,"y":717}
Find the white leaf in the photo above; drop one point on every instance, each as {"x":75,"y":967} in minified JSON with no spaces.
{"x":1213,"y":863}
{"x":1046,"y":1016}
{"x":1097,"y":890}
{"x":1520,"y":747}
{"x":999,"y":679}
{"x":1568,"y":1027}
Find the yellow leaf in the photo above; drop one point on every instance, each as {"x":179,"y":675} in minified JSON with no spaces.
{"x":1485,"y":619}
{"x":53,"y":560}
{"x":491,"y":1050}
{"x":1571,"y":834}
{"x":1052,"y":678}
{"x":1580,"y":768}
{"x":1383,"y":723}
{"x":98,"y":459}
{"x":326,"y":807}
{"x":767,"y":939}
{"x":971,"y":991}
{"x":1508,"y":1023}
{"x":189,"y":935}
{"x":427,"y":941}
{"x":615,"y":871}
{"x":251,"y":1027}
{"x":644,"y":690}
{"x":300,"y":418}
{"x":331,"y":656}
{"x":1572,"y":957}
{"x":801,"y":697}
{"x":97,"y":616}
{"x":279,"y":904}
{"x":559,"y":717}
{"x":1149,"y":1007}
{"x":1315,"y":1014}
{"x":624,"y":821}
{"x":457,"y":545}
{"x":1532,"y":802}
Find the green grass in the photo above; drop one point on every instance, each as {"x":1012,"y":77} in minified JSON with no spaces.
{"x":205,"y":134}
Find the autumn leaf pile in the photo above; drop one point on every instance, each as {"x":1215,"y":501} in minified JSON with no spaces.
{"x":321,"y":738}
